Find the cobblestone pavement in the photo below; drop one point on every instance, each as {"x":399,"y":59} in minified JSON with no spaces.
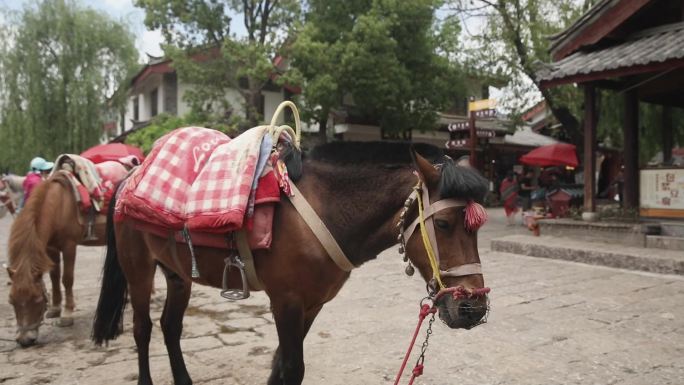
{"x":552,"y":322}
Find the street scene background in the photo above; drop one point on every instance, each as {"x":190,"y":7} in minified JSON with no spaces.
{"x":551,"y":322}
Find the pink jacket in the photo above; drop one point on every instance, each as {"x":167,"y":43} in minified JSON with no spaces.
{"x":32,"y":180}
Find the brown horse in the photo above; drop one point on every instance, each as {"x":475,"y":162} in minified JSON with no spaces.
{"x":50,"y":224}
{"x":360,"y":203}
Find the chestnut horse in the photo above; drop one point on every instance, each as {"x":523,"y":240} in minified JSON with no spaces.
{"x":359,"y":201}
{"x":50,"y":224}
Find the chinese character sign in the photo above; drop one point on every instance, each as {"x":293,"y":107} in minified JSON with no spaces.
{"x":662,"y":189}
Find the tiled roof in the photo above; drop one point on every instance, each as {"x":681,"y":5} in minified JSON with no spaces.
{"x":655,"y":45}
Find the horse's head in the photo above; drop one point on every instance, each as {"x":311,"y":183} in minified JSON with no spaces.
{"x":29,"y":299}
{"x":444,"y":246}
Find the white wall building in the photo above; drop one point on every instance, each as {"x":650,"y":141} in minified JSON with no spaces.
{"x":156,"y":89}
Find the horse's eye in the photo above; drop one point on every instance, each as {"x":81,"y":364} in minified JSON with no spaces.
{"x":442,"y":224}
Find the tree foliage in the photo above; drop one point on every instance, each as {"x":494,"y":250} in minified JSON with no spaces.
{"x":164,"y":123}
{"x":59,"y":68}
{"x":387,"y":55}
{"x":207,"y":54}
{"x":514,"y":40}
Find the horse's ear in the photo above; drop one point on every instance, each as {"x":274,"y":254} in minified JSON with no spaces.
{"x":426,"y":171}
{"x":10,"y":271}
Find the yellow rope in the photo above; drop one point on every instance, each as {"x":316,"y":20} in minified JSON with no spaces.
{"x":427,"y":244}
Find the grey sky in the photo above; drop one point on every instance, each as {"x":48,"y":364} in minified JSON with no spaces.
{"x":146,"y":41}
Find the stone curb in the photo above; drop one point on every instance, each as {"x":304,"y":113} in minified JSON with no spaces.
{"x":593,"y":254}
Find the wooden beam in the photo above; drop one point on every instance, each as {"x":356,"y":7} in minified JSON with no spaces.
{"x":590,"y":120}
{"x":668,"y":134}
{"x":661,"y":213}
{"x":631,"y":149}
{"x":614,"y":73}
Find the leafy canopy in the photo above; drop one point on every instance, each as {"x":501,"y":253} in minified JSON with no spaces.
{"x":387,"y":57}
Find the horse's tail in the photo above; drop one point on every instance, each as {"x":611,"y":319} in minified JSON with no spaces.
{"x":114,"y":291}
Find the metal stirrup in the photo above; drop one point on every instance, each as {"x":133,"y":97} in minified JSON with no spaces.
{"x":234,"y":294}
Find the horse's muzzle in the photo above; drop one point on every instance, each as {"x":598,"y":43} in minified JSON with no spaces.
{"x":27,"y":338}
{"x":463,"y":309}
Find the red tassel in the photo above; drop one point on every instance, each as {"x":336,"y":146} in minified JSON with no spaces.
{"x":475,"y":216}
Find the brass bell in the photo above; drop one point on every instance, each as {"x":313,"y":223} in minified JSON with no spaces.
{"x":409,"y":270}
{"x":401,"y":249}
{"x":405,"y":257}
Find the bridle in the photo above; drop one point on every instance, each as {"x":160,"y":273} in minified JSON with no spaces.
{"x":425,"y":221}
{"x":35,"y":325}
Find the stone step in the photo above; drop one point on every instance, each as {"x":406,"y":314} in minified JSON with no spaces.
{"x":673,"y":229}
{"x":594,"y":253}
{"x":665,"y":242}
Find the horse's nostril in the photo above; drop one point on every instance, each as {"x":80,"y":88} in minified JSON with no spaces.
{"x":465,"y":310}
{"x":470,"y":311}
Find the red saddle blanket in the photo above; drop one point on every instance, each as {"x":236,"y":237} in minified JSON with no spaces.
{"x":200,"y":179}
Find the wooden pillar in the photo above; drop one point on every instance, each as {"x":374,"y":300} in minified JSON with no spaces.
{"x":589,"y":148}
{"x":473,"y":140}
{"x":631,"y":149}
{"x":668,"y":134}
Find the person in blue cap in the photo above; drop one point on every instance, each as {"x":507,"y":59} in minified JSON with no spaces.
{"x":40,"y":169}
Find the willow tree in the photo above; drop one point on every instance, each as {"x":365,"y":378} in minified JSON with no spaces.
{"x":59,"y":69}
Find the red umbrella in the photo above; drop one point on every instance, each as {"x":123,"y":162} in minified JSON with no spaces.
{"x":559,"y":154}
{"x":111,"y":151}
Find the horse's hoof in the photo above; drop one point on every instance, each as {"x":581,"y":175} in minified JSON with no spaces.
{"x":65,"y":322}
{"x":53,"y":313}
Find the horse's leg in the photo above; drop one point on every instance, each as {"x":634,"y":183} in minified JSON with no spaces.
{"x":177,"y":297}
{"x":55,"y":310}
{"x":69,"y":258}
{"x":140,"y":290}
{"x":292,"y":323}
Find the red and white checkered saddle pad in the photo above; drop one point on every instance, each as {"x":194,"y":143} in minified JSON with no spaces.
{"x":196,"y":177}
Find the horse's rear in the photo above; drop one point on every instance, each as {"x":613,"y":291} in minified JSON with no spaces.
{"x":133,"y":254}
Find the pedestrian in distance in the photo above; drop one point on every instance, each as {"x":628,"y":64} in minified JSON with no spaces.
{"x":509,"y":195}
{"x":40,"y":169}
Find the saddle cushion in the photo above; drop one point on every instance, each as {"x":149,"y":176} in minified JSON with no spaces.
{"x":111,"y":173}
{"x":194,"y":177}
{"x":93,"y":184}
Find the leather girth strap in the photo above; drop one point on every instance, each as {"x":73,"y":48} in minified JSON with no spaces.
{"x":319,"y":229}
{"x":243,"y":250}
{"x":245,"y":253}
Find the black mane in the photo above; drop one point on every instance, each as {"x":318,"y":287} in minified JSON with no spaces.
{"x":462,"y":182}
{"x":458,"y":182}
{"x":374,"y":153}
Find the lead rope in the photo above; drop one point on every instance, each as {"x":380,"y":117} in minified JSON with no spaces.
{"x":425,"y":309}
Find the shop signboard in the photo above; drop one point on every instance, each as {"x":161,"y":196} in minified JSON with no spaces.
{"x":662,"y":192}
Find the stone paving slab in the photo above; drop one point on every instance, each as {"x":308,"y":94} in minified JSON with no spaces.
{"x":552,"y":322}
{"x":594,"y":253}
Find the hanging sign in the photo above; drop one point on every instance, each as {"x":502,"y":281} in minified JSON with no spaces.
{"x":482,"y":104}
